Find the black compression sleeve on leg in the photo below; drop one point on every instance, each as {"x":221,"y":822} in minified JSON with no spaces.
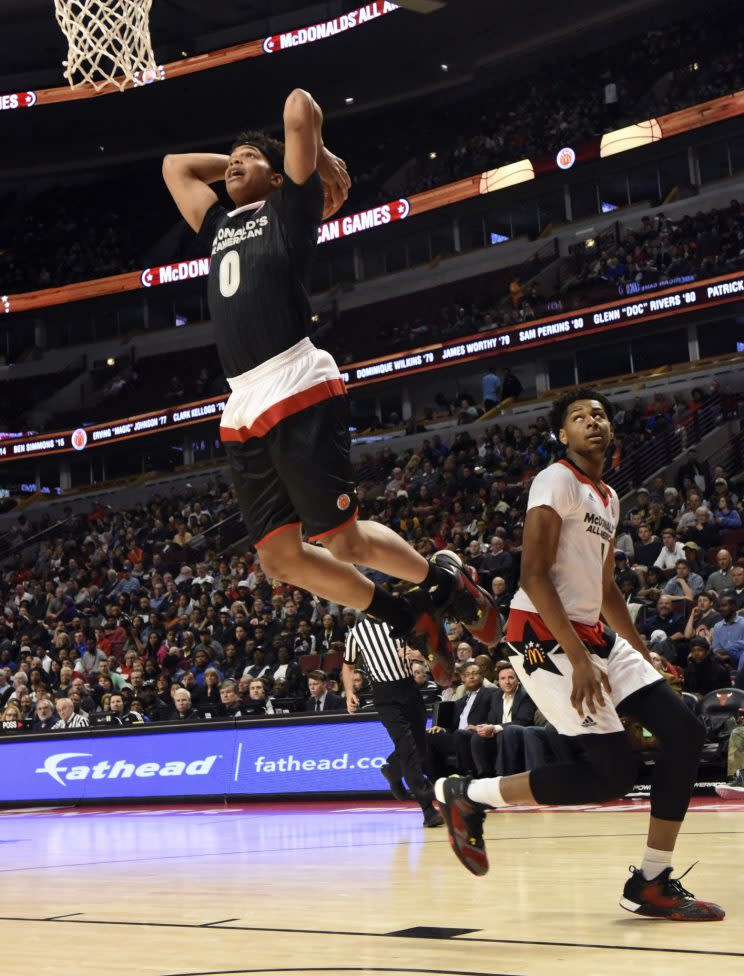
{"x":605,"y":770}
{"x":681,"y":736}
{"x":392,"y":609}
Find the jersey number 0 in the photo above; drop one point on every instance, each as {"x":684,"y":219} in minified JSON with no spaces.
{"x":229,"y":274}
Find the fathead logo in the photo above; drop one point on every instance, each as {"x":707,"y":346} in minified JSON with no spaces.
{"x":53,"y":767}
{"x":79,"y":439}
{"x":343,"y":502}
{"x":119,"y":769}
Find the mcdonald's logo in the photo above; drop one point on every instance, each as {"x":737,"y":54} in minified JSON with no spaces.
{"x":535,"y":655}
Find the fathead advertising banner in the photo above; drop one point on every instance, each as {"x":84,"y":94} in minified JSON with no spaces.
{"x":239,"y":760}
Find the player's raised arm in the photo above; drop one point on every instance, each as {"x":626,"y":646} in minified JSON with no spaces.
{"x":187,"y":176}
{"x":304,"y":151}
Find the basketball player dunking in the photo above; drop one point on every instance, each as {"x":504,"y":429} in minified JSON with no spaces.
{"x":286,"y":423}
{"x":584,"y":674}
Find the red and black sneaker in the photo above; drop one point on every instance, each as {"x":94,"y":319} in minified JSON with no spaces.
{"x":664,"y":897}
{"x":464,"y":818}
{"x":429,"y":636}
{"x":467,"y":601}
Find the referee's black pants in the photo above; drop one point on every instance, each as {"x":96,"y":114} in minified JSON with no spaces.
{"x":403,"y":713}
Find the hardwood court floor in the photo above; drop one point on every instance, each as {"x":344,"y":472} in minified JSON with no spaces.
{"x":335,"y":888}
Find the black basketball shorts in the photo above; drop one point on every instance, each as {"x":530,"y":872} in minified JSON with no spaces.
{"x":286,"y":433}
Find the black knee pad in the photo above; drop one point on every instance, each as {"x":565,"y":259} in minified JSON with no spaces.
{"x":604,"y":769}
{"x":614,"y":764}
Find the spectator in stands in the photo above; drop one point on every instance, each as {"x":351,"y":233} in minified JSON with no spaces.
{"x":450,"y":742}
{"x":648,"y":548}
{"x":116,"y":707}
{"x":721,"y":579}
{"x":685,"y":586}
{"x":45,"y":718}
{"x":183,"y":709}
{"x":672,"y":674}
{"x":626,"y":578}
{"x":703,"y":673}
{"x":670,"y":554}
{"x":624,"y":540}
{"x":725,"y":515}
{"x":497,"y":562}
{"x":498,"y":746}
{"x":321,"y":699}
{"x":728,"y":632}
{"x":230,"y":700}
{"x":289,"y":671}
{"x":428,"y":689}
{"x":702,"y":615}
{"x":737,"y":591}
{"x":490,"y":390}
{"x":694,"y":556}
{"x":510,"y":385}
{"x":13,"y":712}
{"x":665,"y":619}
{"x":67,"y":717}
{"x":258,"y":701}
{"x":154,"y":709}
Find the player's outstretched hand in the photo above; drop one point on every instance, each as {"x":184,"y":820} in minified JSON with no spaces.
{"x":336,"y":182}
{"x":589,"y":684}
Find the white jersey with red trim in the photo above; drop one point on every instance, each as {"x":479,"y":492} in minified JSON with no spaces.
{"x":590,"y":512}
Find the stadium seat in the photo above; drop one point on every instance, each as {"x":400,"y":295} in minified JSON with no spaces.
{"x":732,"y":539}
{"x":692,"y":702}
{"x":716,"y":709}
{"x":309,"y":662}
{"x":332,"y":661}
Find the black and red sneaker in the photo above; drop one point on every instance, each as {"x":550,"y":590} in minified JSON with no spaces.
{"x":468,"y":602}
{"x":429,"y":636}
{"x":464,"y":818}
{"x":664,"y":897}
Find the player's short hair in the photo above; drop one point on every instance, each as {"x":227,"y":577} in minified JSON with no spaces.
{"x":272,"y":148}
{"x":560,"y":406}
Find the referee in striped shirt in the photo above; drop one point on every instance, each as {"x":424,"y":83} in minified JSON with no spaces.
{"x":398,"y":703}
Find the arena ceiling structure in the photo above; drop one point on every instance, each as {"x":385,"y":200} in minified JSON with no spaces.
{"x":407,"y":55}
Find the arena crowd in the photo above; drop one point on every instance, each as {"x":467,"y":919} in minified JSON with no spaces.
{"x":140,"y":615}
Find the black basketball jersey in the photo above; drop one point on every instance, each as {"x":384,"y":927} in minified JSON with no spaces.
{"x":258,"y":279}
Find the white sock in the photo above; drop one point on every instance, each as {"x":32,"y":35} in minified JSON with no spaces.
{"x":487,"y":792}
{"x":654,"y":862}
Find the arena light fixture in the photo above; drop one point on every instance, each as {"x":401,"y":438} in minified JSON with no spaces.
{"x":630,"y":137}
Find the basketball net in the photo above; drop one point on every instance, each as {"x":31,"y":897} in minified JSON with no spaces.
{"x":108,"y":42}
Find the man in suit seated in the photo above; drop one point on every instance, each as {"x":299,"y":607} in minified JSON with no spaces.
{"x":321,"y":699}
{"x":498,"y":745}
{"x":453,"y":740}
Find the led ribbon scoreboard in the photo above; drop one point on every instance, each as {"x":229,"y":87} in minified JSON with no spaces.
{"x":497,"y":342}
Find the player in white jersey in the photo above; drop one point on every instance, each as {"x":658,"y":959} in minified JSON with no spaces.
{"x":581,"y":660}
